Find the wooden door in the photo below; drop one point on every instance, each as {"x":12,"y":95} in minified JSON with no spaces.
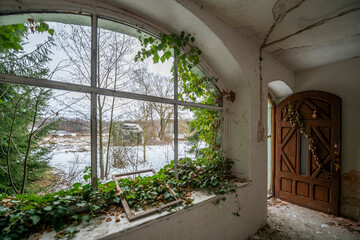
{"x":298,"y":177}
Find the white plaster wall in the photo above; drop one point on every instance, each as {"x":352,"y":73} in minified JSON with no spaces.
{"x":208,"y":221}
{"x":342,"y":79}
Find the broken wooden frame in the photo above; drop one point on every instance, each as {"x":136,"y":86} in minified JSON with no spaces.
{"x":129,"y":214}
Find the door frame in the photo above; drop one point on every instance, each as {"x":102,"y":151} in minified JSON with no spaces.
{"x":272,"y":148}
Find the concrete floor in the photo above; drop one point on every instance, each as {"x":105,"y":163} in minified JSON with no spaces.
{"x":288,"y":221}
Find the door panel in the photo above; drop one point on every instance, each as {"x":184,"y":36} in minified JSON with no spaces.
{"x":305,"y":183}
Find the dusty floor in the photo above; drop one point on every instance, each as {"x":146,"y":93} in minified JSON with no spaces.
{"x":288,"y":221}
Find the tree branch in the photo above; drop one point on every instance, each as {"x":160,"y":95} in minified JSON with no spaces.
{"x":10,"y":138}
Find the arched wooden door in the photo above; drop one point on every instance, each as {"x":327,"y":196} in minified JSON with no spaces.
{"x":299,"y":178}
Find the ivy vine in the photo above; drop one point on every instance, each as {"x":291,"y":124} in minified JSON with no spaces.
{"x":296,"y":121}
{"x":206,"y":122}
{"x":23,"y":215}
{"x":192,"y":86}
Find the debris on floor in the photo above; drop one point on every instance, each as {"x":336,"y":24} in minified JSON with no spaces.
{"x":289,"y":221}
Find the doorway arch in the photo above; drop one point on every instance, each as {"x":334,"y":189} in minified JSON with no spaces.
{"x":277,"y":91}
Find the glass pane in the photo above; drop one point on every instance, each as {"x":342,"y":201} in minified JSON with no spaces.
{"x":200,"y":89}
{"x":133,"y":135}
{"x":199,"y":133}
{"x":63,"y":56}
{"x":303,"y":154}
{"x":56,"y":124}
{"x":117,"y":69}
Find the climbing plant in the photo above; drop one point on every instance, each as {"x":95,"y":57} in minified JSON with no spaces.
{"x":296,"y":121}
{"x":23,"y":215}
{"x":192,"y":86}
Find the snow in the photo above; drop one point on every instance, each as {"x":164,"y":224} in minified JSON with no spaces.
{"x":72,"y":155}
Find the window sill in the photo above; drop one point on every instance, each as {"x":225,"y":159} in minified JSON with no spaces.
{"x":95,"y":230}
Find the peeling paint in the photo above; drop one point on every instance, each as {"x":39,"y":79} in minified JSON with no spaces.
{"x":350,"y":195}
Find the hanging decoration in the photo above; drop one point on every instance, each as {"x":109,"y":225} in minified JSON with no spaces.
{"x":292,"y":115}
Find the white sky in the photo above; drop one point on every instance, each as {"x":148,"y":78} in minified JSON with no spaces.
{"x":59,"y":55}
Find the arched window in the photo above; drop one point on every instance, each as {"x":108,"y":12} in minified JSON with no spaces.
{"x":73,"y":97}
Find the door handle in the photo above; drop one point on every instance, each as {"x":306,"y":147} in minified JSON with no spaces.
{"x":337,"y":160}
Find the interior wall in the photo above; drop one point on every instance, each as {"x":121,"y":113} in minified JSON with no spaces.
{"x":342,"y":79}
{"x":211,"y":221}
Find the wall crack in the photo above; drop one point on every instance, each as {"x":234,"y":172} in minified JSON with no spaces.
{"x":310,"y":27}
{"x":279,"y":14}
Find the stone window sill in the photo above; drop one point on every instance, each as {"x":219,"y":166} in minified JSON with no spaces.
{"x":94,"y":230}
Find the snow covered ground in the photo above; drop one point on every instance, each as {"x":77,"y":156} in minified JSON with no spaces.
{"x":72,"y":155}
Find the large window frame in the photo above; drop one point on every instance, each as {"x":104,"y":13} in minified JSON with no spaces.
{"x":94,"y":90}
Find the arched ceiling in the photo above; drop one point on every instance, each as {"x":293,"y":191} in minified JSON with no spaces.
{"x":332,"y":28}
{"x":152,"y":16}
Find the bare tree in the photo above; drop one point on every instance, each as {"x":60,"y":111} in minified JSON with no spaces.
{"x":154,"y":84}
{"x":114,"y":65}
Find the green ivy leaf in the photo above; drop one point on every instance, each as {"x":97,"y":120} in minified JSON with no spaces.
{"x":35,"y":219}
{"x":71,"y":230}
{"x":83,"y":204}
{"x":167,"y":54}
{"x":156,"y":59}
{"x":76,"y":186}
{"x":48,"y":208}
{"x":86,"y":218}
{"x":167,"y":195}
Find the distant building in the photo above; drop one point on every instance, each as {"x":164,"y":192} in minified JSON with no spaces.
{"x":127,"y":133}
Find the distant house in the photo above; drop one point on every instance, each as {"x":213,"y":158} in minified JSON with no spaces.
{"x":127,"y":133}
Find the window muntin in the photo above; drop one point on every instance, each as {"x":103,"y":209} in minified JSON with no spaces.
{"x":127,"y":93}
